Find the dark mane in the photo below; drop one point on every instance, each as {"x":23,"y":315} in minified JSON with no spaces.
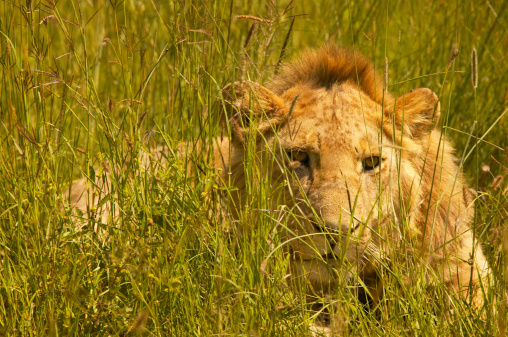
{"x":327,"y":66}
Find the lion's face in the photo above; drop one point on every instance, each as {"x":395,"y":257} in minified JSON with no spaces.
{"x":343,"y":174}
{"x":339,"y":154}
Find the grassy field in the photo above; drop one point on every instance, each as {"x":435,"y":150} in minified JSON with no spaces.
{"x":87,"y":85}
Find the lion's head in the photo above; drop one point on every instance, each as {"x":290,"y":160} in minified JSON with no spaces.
{"x":361,"y":162}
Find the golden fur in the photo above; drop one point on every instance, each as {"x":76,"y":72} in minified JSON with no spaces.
{"x":327,"y":110}
{"x":325,"y":115}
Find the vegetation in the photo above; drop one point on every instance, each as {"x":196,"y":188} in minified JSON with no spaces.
{"x":87,"y":87}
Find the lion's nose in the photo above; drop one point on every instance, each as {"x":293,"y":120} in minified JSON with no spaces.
{"x":329,"y":230}
{"x":319,"y":226}
{"x":328,"y":227}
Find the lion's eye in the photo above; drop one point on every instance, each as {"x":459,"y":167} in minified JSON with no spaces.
{"x":370,"y":163}
{"x":300,"y":156}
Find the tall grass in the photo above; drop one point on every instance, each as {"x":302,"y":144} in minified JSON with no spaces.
{"x":87,"y":87}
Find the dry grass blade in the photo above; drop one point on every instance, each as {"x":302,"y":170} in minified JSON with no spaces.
{"x":142,"y":117}
{"x":248,"y":39}
{"x":386,"y":74}
{"x":59,"y":119}
{"x":245,"y":56}
{"x":283,"y":50}
{"x":28,"y":137}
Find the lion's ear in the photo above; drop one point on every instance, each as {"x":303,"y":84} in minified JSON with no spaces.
{"x":246,"y":102}
{"x":417,"y":112}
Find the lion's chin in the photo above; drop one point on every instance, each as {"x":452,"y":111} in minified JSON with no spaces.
{"x":334,"y":269}
{"x":322,"y":275}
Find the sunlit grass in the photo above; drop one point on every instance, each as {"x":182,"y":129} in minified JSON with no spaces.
{"x":87,"y":87}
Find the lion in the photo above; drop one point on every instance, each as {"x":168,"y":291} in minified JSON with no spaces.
{"x":365,"y":173}
{"x":369,"y":173}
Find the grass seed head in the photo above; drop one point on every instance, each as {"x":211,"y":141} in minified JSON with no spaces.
{"x":253,"y":18}
{"x":496,"y":182}
{"x":474,"y":68}
{"x":453,"y":53}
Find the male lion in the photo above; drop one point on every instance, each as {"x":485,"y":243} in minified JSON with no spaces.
{"x":371,"y":173}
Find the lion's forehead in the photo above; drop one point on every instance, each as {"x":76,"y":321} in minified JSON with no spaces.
{"x":340,"y":117}
{"x":336,"y":112}
{"x":344,"y":101}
